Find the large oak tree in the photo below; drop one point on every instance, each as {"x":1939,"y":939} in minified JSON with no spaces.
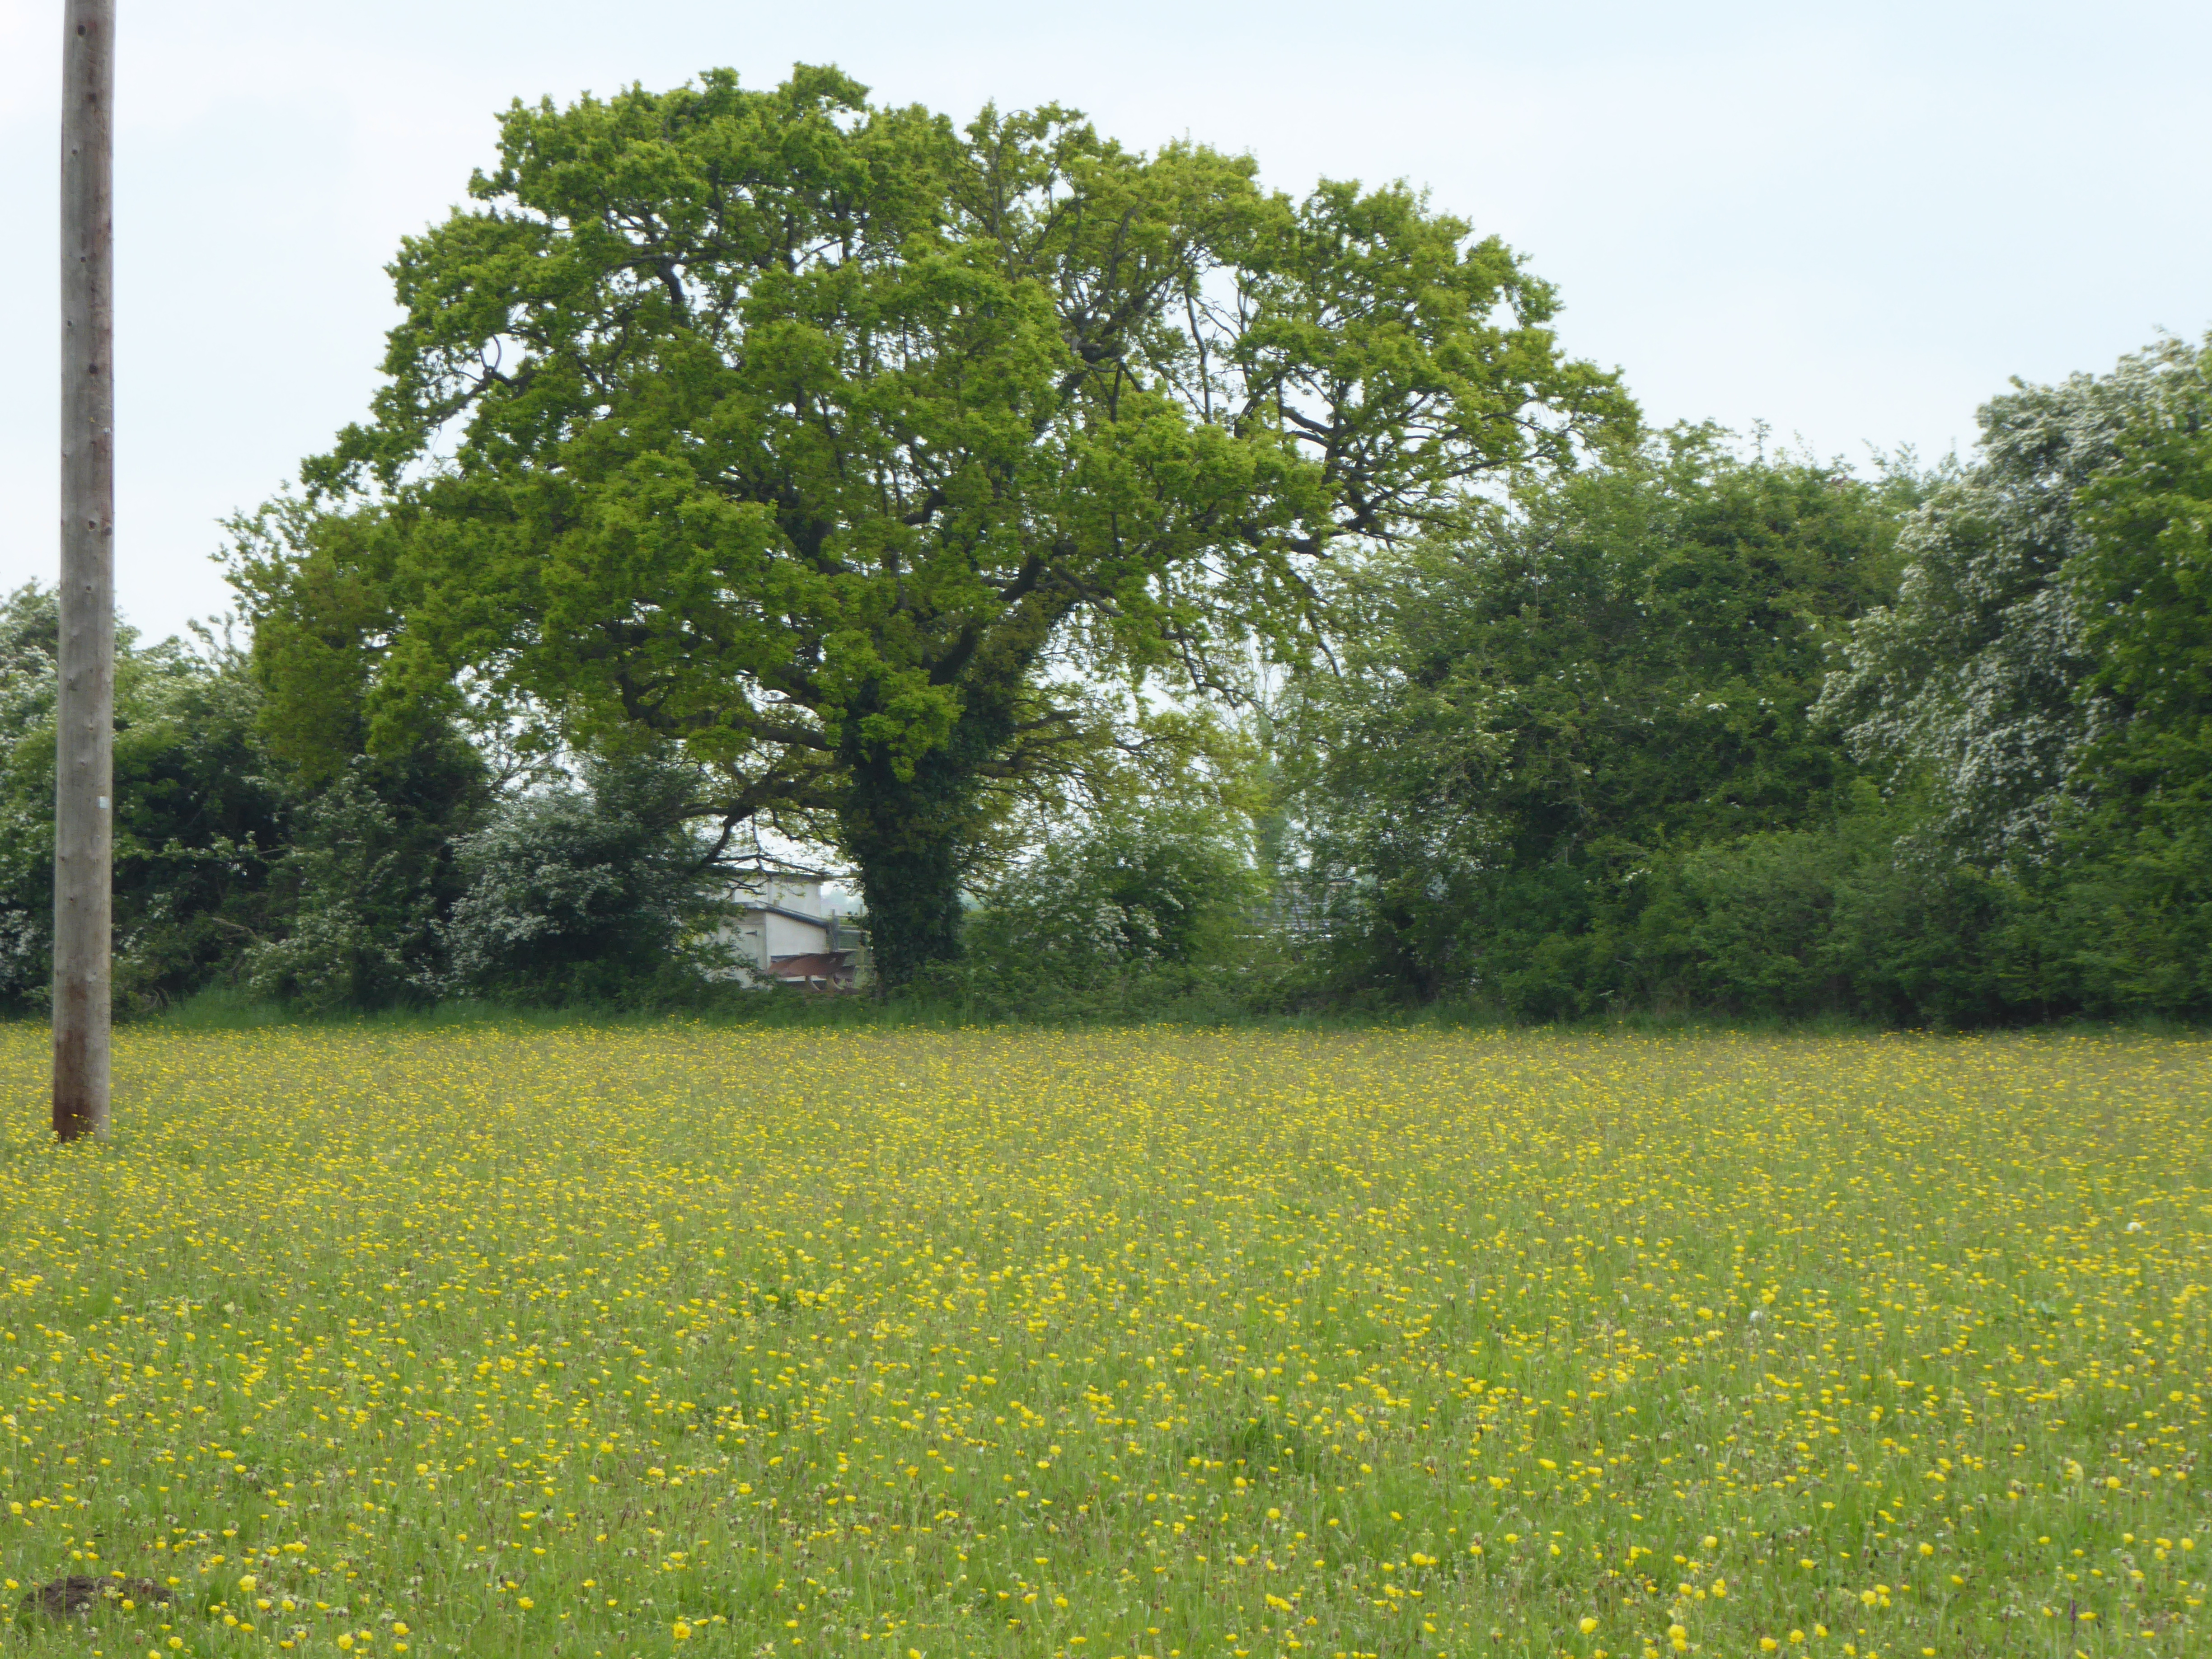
{"x":823,"y":439}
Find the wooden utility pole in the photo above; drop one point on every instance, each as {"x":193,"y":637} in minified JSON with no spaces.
{"x":84,"y":714}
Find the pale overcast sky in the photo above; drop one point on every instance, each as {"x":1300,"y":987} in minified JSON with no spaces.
{"x":1851,"y":223}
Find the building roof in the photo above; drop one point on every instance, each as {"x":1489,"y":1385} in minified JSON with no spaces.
{"x":773,"y":869}
{"x":823,"y":922}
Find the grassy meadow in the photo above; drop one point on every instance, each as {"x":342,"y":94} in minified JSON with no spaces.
{"x":640,"y":1341}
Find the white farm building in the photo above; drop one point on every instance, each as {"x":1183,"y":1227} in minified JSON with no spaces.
{"x":784,"y":933}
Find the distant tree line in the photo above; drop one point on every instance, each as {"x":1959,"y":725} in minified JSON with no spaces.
{"x":397,"y":880}
{"x":1162,"y":595}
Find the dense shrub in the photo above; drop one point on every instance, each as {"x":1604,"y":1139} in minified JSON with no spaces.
{"x":1850,"y":917}
{"x":593,"y":894}
{"x":1124,"y":917}
{"x":200,"y":813}
{"x":1542,"y":715}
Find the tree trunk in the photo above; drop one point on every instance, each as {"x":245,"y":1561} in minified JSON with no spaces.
{"x":912,"y":837}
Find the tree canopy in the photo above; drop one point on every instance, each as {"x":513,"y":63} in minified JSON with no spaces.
{"x":835,"y":444}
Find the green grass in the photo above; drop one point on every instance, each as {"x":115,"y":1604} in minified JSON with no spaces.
{"x":542,"y":1337}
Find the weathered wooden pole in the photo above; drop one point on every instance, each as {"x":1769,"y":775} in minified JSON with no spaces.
{"x":84,"y":714}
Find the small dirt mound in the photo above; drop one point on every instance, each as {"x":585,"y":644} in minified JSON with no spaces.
{"x":77,"y":1594}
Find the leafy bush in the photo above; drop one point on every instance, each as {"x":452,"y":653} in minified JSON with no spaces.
{"x":1126,"y":917}
{"x":369,"y":878}
{"x":199,"y":813}
{"x":595,"y":895}
{"x":1542,"y":715}
{"x":1853,"y":917}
